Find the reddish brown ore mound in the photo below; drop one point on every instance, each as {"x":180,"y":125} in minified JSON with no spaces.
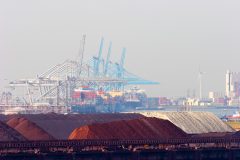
{"x":29,"y":129}
{"x":9,"y":134}
{"x":60,"y":126}
{"x":144,"y":128}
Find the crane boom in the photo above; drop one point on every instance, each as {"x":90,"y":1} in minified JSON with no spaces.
{"x":108,"y":57}
{"x":99,"y":58}
{"x":122,"y":61}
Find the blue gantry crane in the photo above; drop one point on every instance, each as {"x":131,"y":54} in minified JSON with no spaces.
{"x":57,"y":83}
{"x":108,"y":59}
{"x":115,"y":71}
{"x":97,"y":60}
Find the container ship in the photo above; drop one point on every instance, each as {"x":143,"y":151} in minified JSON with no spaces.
{"x":134,"y":98}
{"x":88,"y":100}
{"x":84,"y":100}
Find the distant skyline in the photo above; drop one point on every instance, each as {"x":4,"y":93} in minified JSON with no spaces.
{"x":166,"y":40}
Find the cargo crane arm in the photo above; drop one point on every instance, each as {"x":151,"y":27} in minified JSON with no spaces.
{"x":122,"y":62}
{"x":108,"y":57}
{"x":98,"y":60}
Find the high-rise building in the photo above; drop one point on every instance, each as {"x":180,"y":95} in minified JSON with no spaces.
{"x":233,"y":84}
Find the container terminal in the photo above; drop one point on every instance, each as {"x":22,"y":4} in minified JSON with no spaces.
{"x":95,"y":85}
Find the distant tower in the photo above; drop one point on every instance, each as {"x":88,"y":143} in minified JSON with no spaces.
{"x":228,"y":83}
{"x":200,"y":74}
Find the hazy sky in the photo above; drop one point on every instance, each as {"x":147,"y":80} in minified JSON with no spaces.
{"x":166,"y":40}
